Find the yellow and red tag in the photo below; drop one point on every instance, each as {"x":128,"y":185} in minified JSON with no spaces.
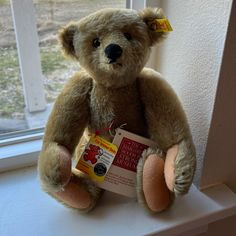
{"x":97,"y":158}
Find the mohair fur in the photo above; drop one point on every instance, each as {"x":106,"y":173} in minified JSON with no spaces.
{"x":124,"y":92}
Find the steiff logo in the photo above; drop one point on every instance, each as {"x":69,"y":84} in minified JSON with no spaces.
{"x":100,"y":169}
{"x":93,"y":153}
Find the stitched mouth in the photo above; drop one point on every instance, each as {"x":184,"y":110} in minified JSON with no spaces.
{"x":114,"y":62}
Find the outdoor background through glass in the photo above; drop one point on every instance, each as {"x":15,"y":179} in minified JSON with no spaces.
{"x":51,"y":15}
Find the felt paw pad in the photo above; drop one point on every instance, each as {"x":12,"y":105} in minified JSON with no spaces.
{"x":155,"y":190}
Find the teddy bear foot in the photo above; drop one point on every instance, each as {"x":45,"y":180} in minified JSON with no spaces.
{"x":79,"y":194}
{"x":153,"y":192}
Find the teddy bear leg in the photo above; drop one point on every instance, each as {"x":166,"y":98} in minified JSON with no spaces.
{"x":80,"y":193}
{"x":151,"y":186}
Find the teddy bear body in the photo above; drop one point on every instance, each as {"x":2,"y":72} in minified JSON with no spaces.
{"x":113,"y":87}
{"x":120,"y":106}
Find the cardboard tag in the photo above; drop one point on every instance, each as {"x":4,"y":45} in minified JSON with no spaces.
{"x":97,"y":158}
{"x":160,"y":25}
{"x":121,"y":177}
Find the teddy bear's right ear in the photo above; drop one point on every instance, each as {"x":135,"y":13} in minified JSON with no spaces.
{"x":149,"y":15}
{"x":66,"y":39}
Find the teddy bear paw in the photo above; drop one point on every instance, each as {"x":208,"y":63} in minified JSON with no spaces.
{"x":54,"y":167}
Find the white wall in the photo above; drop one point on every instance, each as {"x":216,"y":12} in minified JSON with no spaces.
{"x":220,"y":157}
{"x":190,"y":59}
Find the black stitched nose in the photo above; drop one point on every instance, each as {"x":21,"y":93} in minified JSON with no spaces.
{"x":113,"y":51}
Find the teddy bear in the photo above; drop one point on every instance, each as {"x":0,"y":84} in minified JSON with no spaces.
{"x":112,"y":47}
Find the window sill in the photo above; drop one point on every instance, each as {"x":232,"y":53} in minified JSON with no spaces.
{"x":19,"y":155}
{"x":26,"y":210}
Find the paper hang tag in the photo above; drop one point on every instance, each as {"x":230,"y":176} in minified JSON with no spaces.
{"x":160,"y":25}
{"x":97,"y":158}
{"x":121,"y":177}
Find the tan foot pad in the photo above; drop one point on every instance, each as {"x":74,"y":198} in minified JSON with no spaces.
{"x":74,"y":196}
{"x":155,"y":190}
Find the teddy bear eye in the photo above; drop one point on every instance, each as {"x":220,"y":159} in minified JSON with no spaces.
{"x":96,"y":43}
{"x":128,"y":36}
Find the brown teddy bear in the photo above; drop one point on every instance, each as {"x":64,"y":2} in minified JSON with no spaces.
{"x":112,"y":47}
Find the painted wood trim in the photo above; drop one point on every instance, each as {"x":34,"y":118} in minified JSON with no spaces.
{"x":29,"y":54}
{"x":138,"y":4}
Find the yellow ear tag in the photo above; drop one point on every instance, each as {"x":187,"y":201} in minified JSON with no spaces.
{"x":160,"y":25}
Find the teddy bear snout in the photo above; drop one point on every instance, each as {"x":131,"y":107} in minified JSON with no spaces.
{"x":113,"y":52}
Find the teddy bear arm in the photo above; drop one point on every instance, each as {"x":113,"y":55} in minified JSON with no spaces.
{"x":64,"y":128}
{"x":71,"y":113}
{"x":168,"y":127}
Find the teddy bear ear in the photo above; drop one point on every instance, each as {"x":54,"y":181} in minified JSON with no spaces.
{"x":66,"y":39}
{"x":149,"y":15}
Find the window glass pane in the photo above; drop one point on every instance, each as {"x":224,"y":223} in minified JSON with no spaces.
{"x":51,"y":15}
{"x":11,"y":96}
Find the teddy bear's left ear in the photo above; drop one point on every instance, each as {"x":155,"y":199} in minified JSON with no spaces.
{"x":149,"y":15}
{"x":66,"y":39}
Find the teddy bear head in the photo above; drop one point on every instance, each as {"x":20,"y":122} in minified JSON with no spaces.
{"x":112,"y":45}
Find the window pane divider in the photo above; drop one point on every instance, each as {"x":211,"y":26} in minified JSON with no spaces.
{"x":29,"y":54}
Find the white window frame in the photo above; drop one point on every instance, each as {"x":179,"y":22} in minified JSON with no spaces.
{"x":20,"y":149}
